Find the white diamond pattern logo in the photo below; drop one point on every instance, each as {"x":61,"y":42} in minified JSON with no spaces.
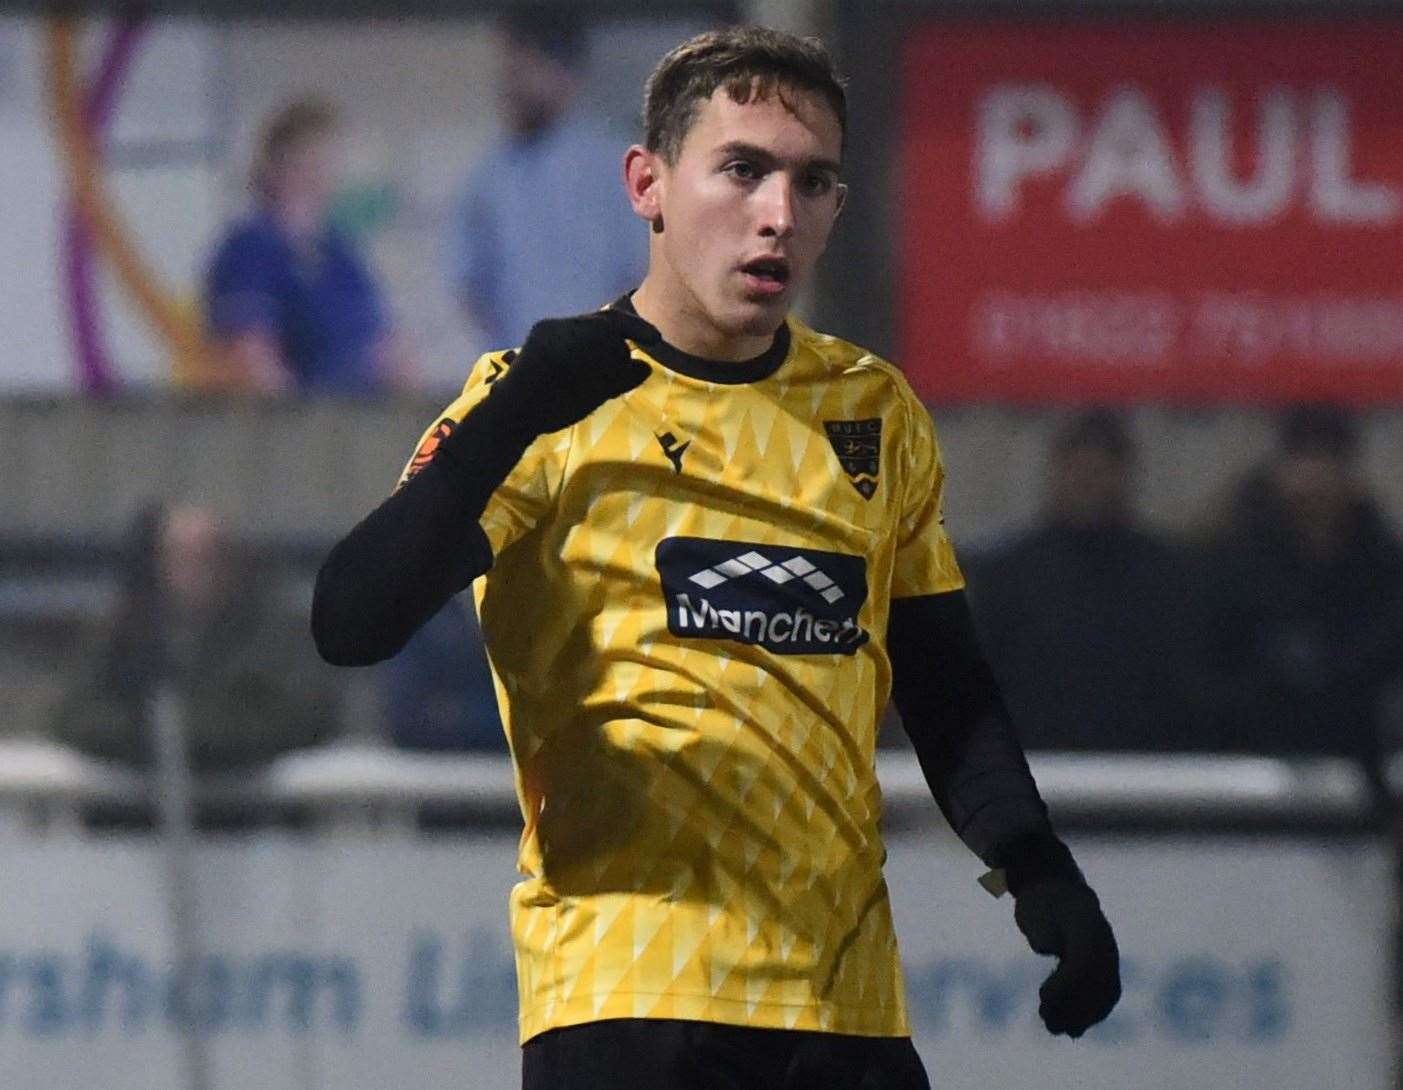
{"x":712,"y":593}
{"x":797,"y":567}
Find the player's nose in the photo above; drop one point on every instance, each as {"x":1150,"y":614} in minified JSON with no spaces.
{"x":776,"y":201}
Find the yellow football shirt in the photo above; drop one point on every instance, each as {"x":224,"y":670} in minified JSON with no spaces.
{"x":685,"y":620}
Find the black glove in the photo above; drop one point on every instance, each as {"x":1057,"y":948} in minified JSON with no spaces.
{"x":568,"y":367}
{"x":1060,"y":915}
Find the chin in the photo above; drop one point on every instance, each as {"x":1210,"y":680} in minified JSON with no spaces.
{"x":760,"y":318}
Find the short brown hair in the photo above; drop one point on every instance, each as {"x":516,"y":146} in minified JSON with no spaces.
{"x":749,"y":62}
{"x":296,"y":122}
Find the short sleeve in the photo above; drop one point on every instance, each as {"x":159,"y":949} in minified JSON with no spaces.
{"x":241,"y":287}
{"x":530,"y":489}
{"x":925,"y":558}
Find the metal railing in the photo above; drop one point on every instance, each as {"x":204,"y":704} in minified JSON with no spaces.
{"x":47,"y":785}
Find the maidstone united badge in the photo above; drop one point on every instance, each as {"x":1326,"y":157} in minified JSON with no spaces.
{"x":858,"y":445}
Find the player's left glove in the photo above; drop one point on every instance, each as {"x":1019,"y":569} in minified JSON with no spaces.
{"x":569,"y":367}
{"x":1059,"y":914}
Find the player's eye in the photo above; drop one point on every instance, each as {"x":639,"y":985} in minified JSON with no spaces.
{"x":742,"y":170}
{"x":816,"y":183}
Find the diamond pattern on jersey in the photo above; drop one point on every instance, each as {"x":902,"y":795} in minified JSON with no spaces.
{"x":796,"y":567}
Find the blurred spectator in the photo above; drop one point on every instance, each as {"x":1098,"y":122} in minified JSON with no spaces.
{"x":544,"y":227}
{"x":193,"y":614}
{"x":438,"y":690}
{"x":290,"y":302}
{"x":1306,"y":599}
{"x":1088,"y":618}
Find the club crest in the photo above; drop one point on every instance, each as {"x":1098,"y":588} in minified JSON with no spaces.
{"x":858,"y":445}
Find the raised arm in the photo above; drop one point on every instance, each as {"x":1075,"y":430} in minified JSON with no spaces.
{"x":400,"y":564}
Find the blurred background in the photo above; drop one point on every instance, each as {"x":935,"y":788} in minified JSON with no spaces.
{"x":1142,"y":261}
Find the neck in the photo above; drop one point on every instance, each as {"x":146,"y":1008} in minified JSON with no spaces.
{"x":688,"y":329}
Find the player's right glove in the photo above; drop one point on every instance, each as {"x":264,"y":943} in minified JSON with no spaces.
{"x":1059,"y":914}
{"x":568,"y":367}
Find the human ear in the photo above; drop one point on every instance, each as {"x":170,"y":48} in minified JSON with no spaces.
{"x":644,"y":183}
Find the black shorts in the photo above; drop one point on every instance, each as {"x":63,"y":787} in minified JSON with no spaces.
{"x":666,"y":1054}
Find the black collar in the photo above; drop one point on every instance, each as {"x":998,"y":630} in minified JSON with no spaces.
{"x":729,"y":372}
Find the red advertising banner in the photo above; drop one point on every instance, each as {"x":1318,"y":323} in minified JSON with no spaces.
{"x":1187,"y":211}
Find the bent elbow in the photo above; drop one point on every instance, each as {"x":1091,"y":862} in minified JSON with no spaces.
{"x":339,"y":644}
{"x":335,"y":648}
{"x":339,"y":628}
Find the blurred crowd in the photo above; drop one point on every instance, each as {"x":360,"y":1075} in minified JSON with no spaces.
{"x":291,"y":301}
{"x":1277,"y":628}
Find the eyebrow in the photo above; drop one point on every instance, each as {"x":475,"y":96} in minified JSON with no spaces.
{"x":752,"y":151}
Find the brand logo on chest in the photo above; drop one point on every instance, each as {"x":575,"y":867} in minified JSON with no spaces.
{"x":673,"y":449}
{"x":787,"y":600}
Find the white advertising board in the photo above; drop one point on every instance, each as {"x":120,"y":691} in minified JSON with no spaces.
{"x":354,"y":963}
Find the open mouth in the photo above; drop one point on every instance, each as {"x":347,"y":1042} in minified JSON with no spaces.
{"x":767,"y":274}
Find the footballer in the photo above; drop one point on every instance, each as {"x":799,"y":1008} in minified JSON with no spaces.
{"x":706,"y":547}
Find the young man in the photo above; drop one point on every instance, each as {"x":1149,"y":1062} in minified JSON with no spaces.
{"x":713,"y":548}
